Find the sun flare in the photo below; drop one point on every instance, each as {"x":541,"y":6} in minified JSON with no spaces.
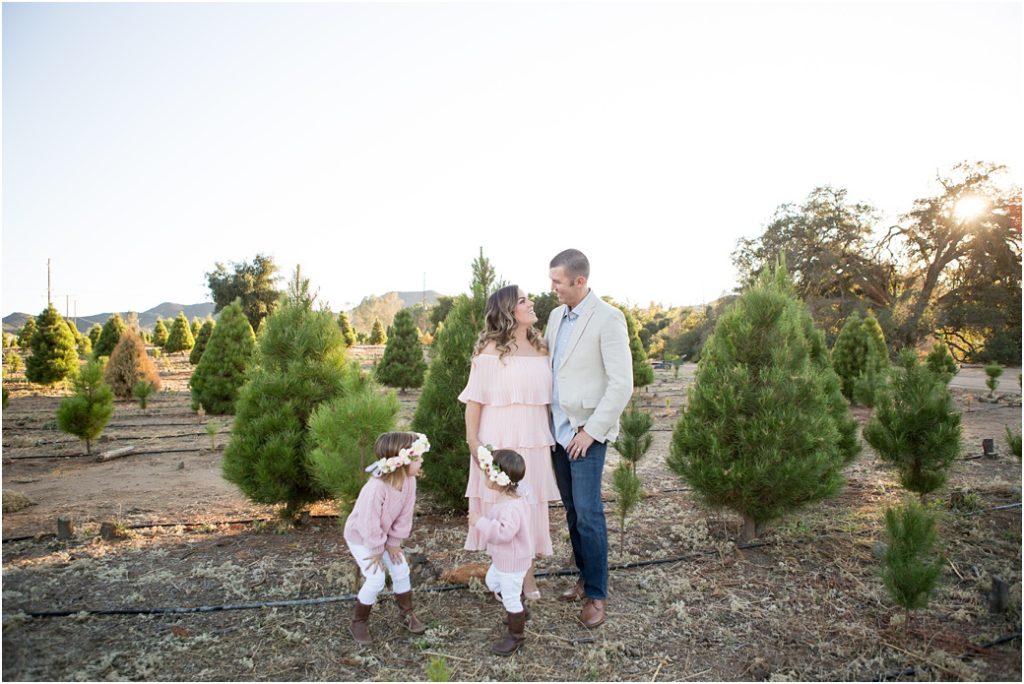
{"x":969,"y":207}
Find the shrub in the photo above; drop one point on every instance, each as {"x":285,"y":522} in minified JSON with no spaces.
{"x":26,"y":333}
{"x":993,"y":371}
{"x":915,"y":426}
{"x":766,"y":430}
{"x":54,"y":354}
{"x":86,"y":412}
{"x":347,"y":333}
{"x":377,"y":334}
{"x":403,"y":365}
{"x":202,"y":338}
{"x":110,"y":335}
{"x":220,"y":374}
{"x":129,"y":364}
{"x":910,"y":566}
{"x":160,"y":333}
{"x":343,"y":432}
{"x":180,"y":337}
{"x":940,"y":362}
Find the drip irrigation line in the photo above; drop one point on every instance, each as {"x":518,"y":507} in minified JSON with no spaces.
{"x":997,"y":508}
{"x":182,"y":610}
{"x":969,"y":655}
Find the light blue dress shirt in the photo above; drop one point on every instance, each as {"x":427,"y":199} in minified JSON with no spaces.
{"x":559,"y":420}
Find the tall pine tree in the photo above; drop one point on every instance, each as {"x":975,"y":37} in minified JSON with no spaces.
{"x":160,"y":333}
{"x":54,"y":352}
{"x":180,"y":337}
{"x":766,"y":430}
{"x":403,"y":365}
{"x":220,"y":374}
{"x":202,"y":338}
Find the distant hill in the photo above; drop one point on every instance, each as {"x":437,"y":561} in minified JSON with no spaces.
{"x":147,"y":319}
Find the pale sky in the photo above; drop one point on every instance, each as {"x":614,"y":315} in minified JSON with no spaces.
{"x":378,"y":143}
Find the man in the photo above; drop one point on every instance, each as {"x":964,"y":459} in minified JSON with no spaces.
{"x":593,"y":381}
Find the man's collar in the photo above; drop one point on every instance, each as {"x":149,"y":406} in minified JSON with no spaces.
{"x":583,"y":304}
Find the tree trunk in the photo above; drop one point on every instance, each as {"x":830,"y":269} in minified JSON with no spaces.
{"x":752,"y":529}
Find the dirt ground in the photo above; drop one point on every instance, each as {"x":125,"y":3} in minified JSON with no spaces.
{"x":805,"y":604}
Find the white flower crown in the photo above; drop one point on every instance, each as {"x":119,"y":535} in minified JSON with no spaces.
{"x":490,"y":468}
{"x":404,"y":457}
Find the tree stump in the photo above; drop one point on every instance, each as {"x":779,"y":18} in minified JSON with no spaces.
{"x":108,"y":531}
{"x":999,"y":596}
{"x":988,"y":447}
{"x":65,"y":529}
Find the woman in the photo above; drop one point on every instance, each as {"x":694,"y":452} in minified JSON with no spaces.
{"x":507,"y":399}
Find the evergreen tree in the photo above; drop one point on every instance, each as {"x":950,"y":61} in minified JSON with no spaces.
{"x":82,"y":342}
{"x":915,"y":426}
{"x":27,"y":331}
{"x":195,"y":326}
{"x":940,"y":362}
{"x":1013,"y":442}
{"x":109,"y":336}
{"x":94,"y":334}
{"x":129,"y":364}
{"x":86,"y":412}
{"x":634,"y":440}
{"x":343,"y":433}
{"x":202,"y":339}
{"x":180,"y":337}
{"x":253,"y":283}
{"x":300,"y":363}
{"x":911,"y":568}
{"x":993,"y":371}
{"x":220,"y":373}
{"x":347,"y":333}
{"x":54,"y":354}
{"x":403,"y":365}
{"x":142,"y":391}
{"x":766,"y":430}
{"x":643,"y":372}
{"x":628,"y":492}
{"x":860,"y":357}
{"x":160,"y":333}
{"x":377,"y":334}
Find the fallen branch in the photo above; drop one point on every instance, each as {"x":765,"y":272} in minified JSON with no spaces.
{"x":116,"y":453}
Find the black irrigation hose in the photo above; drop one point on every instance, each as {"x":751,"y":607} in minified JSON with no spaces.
{"x":349,"y":597}
{"x":969,"y":655}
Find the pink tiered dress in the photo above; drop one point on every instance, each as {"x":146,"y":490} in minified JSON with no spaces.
{"x":515,"y":392}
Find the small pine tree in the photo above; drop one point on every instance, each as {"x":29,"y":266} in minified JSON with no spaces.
{"x":13,"y":360}
{"x":110,"y":335}
{"x":220,"y":373}
{"x":202,"y":338}
{"x":196,"y":326}
{"x":27,"y":331}
{"x":915,"y":426}
{"x":1013,"y":442}
{"x":911,"y":568}
{"x":437,"y":670}
{"x":643,"y":372}
{"x":377,"y":334}
{"x":343,"y":432}
{"x":628,"y":491}
{"x":766,"y":430}
{"x":347,"y":332}
{"x":142,"y":391}
{"x":94,"y":334}
{"x":635,"y":436}
{"x":54,"y":353}
{"x":940,"y":362}
{"x":993,"y":371}
{"x":402,"y":365}
{"x":300,"y":363}
{"x":160,"y":333}
{"x":180,"y":337}
{"x":86,"y":412}
{"x":129,"y":364}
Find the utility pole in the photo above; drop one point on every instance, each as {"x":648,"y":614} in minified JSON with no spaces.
{"x":49,"y":298}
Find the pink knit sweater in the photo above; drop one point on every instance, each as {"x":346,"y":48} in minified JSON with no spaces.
{"x":507,"y":531}
{"x":382,"y":515}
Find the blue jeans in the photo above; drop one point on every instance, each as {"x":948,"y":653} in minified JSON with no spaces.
{"x":579,"y":483}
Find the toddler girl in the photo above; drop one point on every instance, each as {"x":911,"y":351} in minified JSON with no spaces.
{"x":506,"y":529}
{"x":380,"y":520}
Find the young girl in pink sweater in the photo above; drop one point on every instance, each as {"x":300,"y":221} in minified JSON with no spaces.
{"x":507,"y":531}
{"x":380,"y":520}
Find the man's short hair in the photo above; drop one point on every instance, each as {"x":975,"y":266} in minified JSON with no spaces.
{"x":573,"y":261}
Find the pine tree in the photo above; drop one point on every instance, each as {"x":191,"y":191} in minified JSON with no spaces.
{"x":109,"y":336}
{"x":220,"y":373}
{"x":377,"y":334}
{"x":86,"y":412}
{"x":915,"y":426}
{"x":402,"y":365}
{"x":643,"y":372}
{"x":628,"y":491}
{"x":911,"y":567}
{"x":940,"y":362}
{"x":300,"y":363}
{"x":160,"y":333}
{"x":180,"y":337}
{"x":142,"y":391}
{"x":347,"y":332}
{"x":129,"y":364}
{"x":195,"y":326}
{"x":634,"y":441}
{"x":82,"y":343}
{"x":94,"y":334}
{"x":202,"y":339}
{"x":343,"y":433}
{"x":766,"y":430}
{"x":27,"y":331}
{"x":993,"y":371}
{"x":54,"y":353}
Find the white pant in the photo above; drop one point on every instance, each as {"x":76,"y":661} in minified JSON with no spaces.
{"x":509,"y":585}
{"x":374,"y":583}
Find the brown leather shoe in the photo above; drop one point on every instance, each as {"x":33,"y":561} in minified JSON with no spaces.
{"x":405,"y":614}
{"x":359,"y":626}
{"x":515,"y":637}
{"x":573,"y":594}
{"x":593,"y":613}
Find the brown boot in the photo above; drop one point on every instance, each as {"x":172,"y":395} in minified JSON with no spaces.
{"x":515,"y":637}
{"x":405,"y":614}
{"x":526,"y":609}
{"x":359,"y":626}
{"x":574,"y":594}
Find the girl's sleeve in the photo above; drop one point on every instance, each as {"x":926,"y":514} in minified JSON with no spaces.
{"x":402,"y":526}
{"x":370,"y":528}
{"x":500,"y":529}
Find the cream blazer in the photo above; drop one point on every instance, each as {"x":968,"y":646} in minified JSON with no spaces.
{"x":595,"y":377}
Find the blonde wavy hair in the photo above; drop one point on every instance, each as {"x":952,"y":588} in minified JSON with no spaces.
{"x":500,"y":324}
